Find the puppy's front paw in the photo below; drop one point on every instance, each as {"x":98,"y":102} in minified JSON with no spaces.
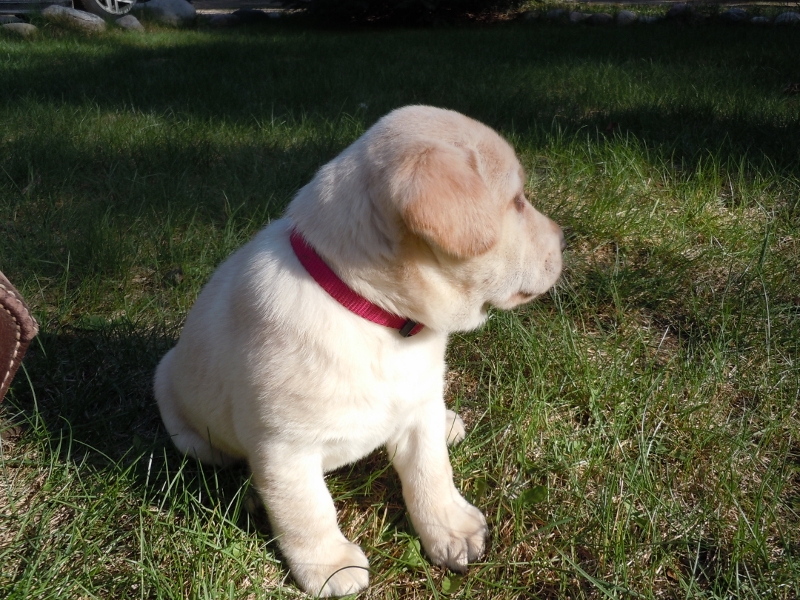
{"x":453,"y":535}
{"x":331,"y":570}
{"x":454,"y":431}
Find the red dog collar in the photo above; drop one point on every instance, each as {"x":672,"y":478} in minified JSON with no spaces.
{"x":338,"y":289}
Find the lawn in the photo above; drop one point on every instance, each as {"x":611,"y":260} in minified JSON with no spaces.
{"x":635,"y":433}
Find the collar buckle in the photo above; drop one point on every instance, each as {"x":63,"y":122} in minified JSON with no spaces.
{"x":407,"y":328}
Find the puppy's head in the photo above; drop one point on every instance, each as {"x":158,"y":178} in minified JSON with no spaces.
{"x":458,"y":188}
{"x":439,"y":224}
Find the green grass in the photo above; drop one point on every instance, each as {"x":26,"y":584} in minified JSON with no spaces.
{"x":633,"y":434}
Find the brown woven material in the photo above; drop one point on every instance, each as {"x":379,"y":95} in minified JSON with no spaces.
{"x":17,"y":329}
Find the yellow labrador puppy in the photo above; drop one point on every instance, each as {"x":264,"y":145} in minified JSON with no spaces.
{"x":324,"y":337}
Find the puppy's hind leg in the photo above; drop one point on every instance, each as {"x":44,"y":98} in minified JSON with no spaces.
{"x":186,"y":439}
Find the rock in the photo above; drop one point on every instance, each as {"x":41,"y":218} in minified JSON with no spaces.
{"x":788,"y":18}
{"x":5,"y":19}
{"x":626,"y":17}
{"x":70,"y":17}
{"x":600,"y":19}
{"x":734,"y":15}
{"x":174,"y":13}
{"x":760,"y":21}
{"x":680,"y":11}
{"x":130,"y":23}
{"x":22,"y":29}
{"x":556,"y":14}
{"x":223,"y":20}
{"x":578,"y":17}
{"x":649,"y":19}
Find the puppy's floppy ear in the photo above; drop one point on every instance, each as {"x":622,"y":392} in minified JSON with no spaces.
{"x":444,"y":199}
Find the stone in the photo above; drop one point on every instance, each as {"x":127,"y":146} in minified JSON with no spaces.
{"x":71,"y":17}
{"x":175,"y":13}
{"x":22,"y":29}
{"x":578,"y":17}
{"x":734,"y":15}
{"x":224,"y":20}
{"x":680,"y":11}
{"x":760,"y":21}
{"x":130,"y":23}
{"x":555,"y":14}
{"x":788,"y":18}
{"x":649,"y":19}
{"x":626,"y":17}
{"x":5,"y":19}
{"x":600,"y":19}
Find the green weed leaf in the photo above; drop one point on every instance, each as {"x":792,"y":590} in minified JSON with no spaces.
{"x":412,"y":555}
{"x":451,"y":583}
{"x":534,"y":495}
{"x":479,"y":489}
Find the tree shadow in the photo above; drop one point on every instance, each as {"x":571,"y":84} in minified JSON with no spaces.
{"x":89,"y":395}
{"x":90,"y":391}
{"x":515,"y":78}
{"x":266,"y":106}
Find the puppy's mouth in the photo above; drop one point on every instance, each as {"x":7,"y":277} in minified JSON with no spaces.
{"x":513,"y":301}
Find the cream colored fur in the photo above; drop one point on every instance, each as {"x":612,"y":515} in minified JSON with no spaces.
{"x":425,"y":216}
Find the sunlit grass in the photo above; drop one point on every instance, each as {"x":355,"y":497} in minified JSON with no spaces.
{"x":633,"y":434}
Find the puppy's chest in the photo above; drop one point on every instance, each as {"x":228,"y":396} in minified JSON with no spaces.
{"x":381,"y":394}
{"x":380,"y":398}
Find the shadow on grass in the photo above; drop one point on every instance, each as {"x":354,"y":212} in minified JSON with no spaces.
{"x":680,"y":90}
{"x":95,"y":407}
{"x":202,"y":122}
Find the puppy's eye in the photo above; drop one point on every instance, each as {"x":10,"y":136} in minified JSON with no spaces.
{"x":519,"y":203}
